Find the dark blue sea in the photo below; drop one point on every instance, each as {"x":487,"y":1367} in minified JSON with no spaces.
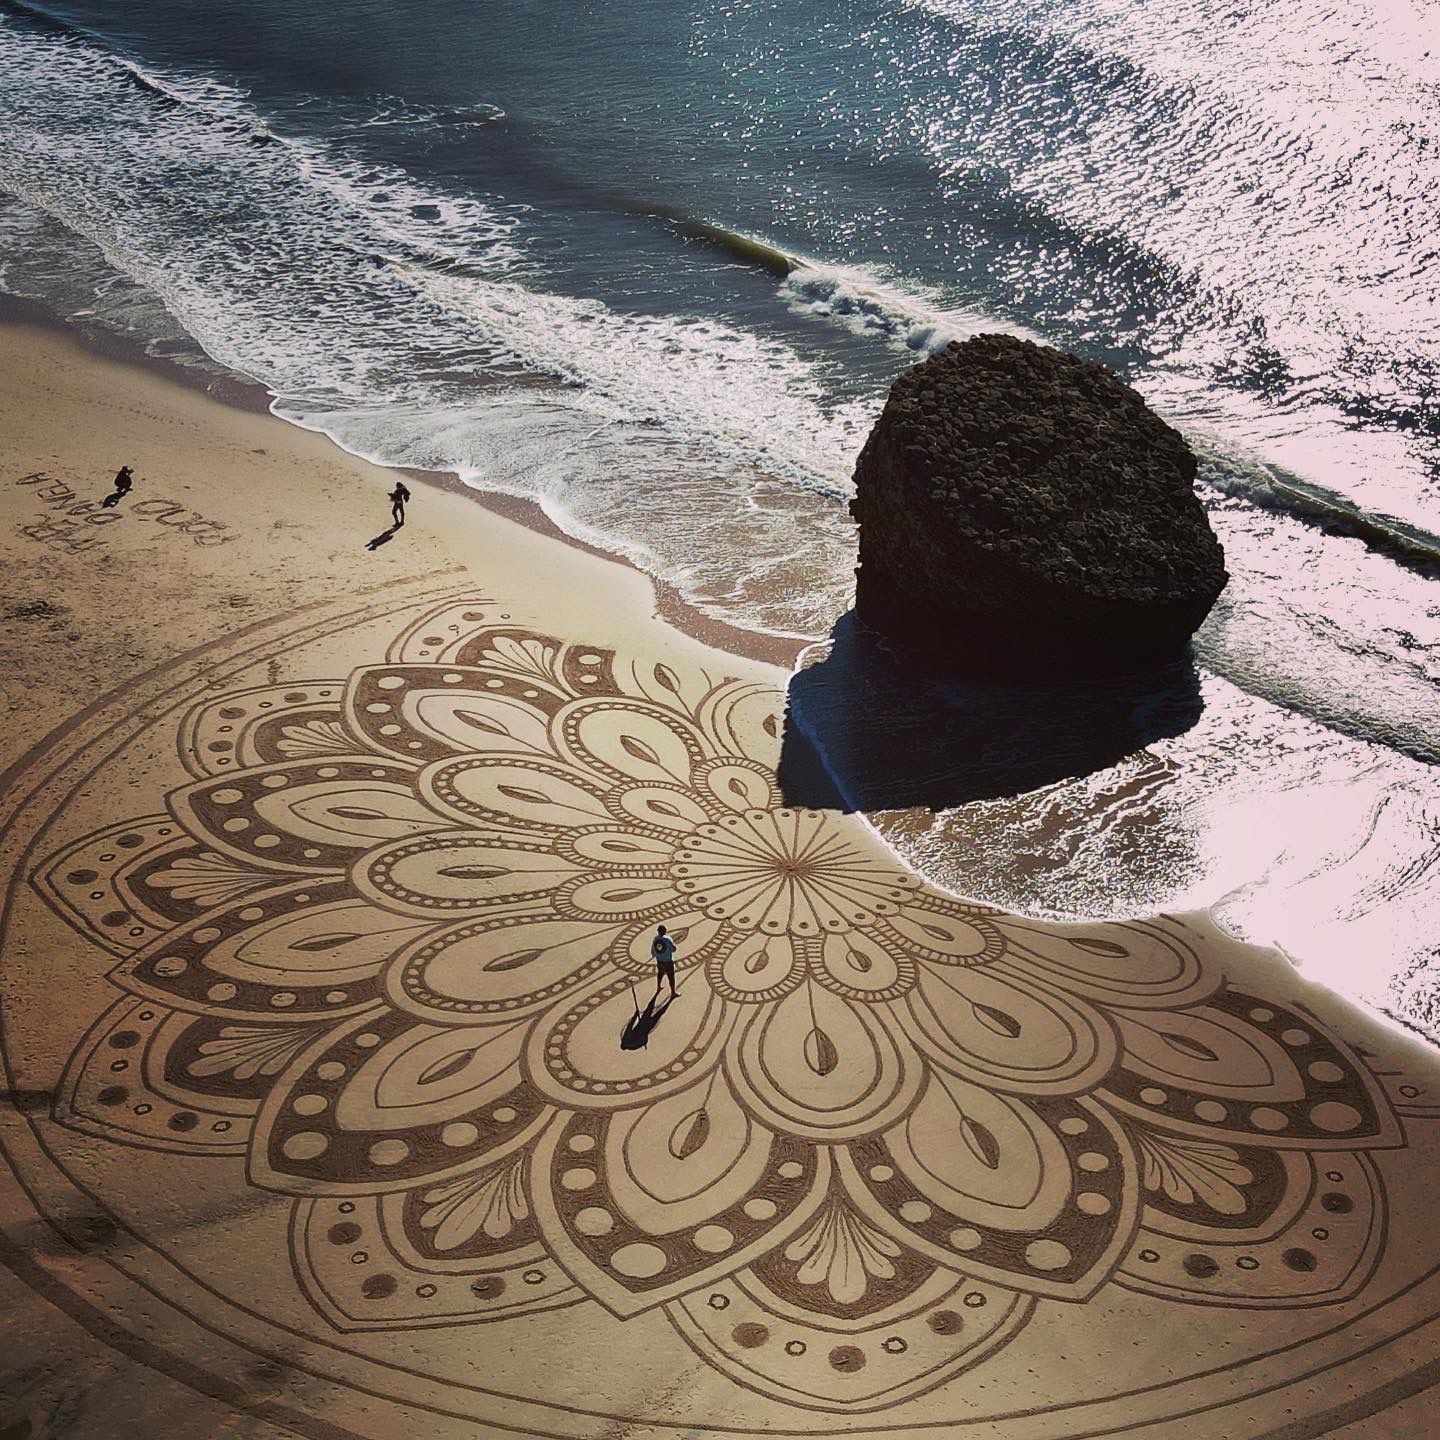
{"x":654,"y":265}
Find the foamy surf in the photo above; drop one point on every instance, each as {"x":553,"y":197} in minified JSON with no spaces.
{"x":856,"y":298}
{"x":868,"y":305}
{"x":746,"y":399}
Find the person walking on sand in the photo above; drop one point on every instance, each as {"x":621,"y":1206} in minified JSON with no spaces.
{"x":124,"y":479}
{"x":398,"y":496}
{"x":662,"y":947}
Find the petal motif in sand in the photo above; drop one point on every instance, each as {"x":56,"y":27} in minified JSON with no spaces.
{"x":863,"y":965}
{"x":817,"y":1064}
{"x":627,"y":742}
{"x":292,"y":952}
{"x":424,"y":713}
{"x":617,"y":850}
{"x":497,"y":967}
{"x":742,"y":718}
{"x":630,"y":1267}
{"x":576,"y":1060}
{"x":731,"y":785}
{"x":1248,"y":1071}
{"x":304,"y":815}
{"x":986,"y":1158}
{"x":1039,"y":1195}
{"x":495,"y":791}
{"x":1142,"y":964}
{"x":945,"y":932}
{"x":618,"y":897}
{"x":380,"y":1104}
{"x":429,"y":1075}
{"x":697,"y":939}
{"x":758,"y":969}
{"x":657,"y":808}
{"x":683,"y":1159}
{"x":452,"y":873}
{"x":992,"y":1025}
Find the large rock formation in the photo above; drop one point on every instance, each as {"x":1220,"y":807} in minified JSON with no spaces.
{"x":1023,"y":510}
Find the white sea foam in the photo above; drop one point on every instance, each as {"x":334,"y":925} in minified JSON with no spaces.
{"x":1252,"y":443}
{"x":1339,"y":873}
{"x":747,"y":399}
{"x":869,"y":304}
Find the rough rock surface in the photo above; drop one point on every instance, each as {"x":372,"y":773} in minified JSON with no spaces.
{"x":1023,"y":509}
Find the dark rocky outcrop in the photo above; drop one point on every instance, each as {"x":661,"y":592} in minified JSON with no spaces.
{"x":1023,"y":510}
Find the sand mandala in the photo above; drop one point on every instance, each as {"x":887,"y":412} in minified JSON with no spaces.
{"x":375,"y":951}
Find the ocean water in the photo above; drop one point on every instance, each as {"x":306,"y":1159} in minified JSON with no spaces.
{"x":654,"y":265}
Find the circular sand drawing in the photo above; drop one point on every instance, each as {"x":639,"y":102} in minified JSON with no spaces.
{"x":348,"y":966}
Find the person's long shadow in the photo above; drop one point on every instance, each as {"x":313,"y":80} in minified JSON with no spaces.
{"x":874,"y":727}
{"x":636,"y":1034}
{"x":383,"y":538}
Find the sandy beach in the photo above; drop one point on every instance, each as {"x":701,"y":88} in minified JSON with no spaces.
{"x":330,"y":879}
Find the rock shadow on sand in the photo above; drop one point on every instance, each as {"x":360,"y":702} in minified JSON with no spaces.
{"x":872,"y":726}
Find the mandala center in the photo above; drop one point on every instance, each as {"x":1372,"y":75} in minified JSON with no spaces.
{"x":777,"y":871}
{"x":715,"y":852}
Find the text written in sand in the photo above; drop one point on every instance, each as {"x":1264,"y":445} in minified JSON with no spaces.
{"x":67,"y":522}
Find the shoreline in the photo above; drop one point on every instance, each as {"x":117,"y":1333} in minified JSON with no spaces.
{"x":252,"y":398}
{"x":910,"y":830}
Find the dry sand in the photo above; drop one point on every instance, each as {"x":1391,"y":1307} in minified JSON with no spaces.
{"x":330,"y":875}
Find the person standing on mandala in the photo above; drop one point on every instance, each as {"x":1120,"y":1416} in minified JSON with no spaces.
{"x":662,"y":947}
